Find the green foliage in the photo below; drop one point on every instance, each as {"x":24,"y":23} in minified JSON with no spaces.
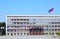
{"x":2,"y":24}
{"x":3,"y":31}
{"x":58,"y":33}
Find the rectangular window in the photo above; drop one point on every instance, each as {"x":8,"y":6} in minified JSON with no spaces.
{"x":55,"y":25}
{"x":8,"y":33}
{"x":58,"y":29}
{"x":14,"y":22}
{"x":11,"y":34}
{"x":55,"y":29}
{"x":17,"y":22}
{"x":14,"y":19}
{"x":52,"y":29}
{"x":58,"y":22}
{"x":17,"y":19}
{"x":58,"y":25}
{"x":27,"y":19}
{"x":14,"y":30}
{"x":14,"y":33}
{"x":11,"y":19}
{"x":21,"y":33}
{"x":7,"y":30}
{"x":27,"y":33}
{"x":17,"y":33}
{"x":11,"y":30}
{"x":24,"y":33}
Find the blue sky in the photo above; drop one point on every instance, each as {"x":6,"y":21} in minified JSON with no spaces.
{"x":28,"y":7}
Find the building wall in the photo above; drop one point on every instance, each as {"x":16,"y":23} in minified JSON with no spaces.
{"x":20,"y":25}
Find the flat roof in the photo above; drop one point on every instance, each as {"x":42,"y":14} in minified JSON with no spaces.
{"x":32,"y":15}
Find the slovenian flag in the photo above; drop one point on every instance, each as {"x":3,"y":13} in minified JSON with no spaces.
{"x":51,"y":10}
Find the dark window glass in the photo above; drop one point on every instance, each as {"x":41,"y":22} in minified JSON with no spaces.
{"x":8,"y":33}
{"x":17,"y":19}
{"x":8,"y":30}
{"x":58,"y":22}
{"x":17,"y":22}
{"x":14,"y":22}
{"x":17,"y":33}
{"x":14,"y":33}
{"x":14,"y":19}
{"x":21,"y":33}
{"x":30,"y":30}
{"x":58,"y":25}
{"x":11,"y":19}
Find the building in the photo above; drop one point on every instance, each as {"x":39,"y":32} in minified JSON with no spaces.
{"x":32,"y":24}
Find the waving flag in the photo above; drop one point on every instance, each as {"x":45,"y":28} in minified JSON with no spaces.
{"x":50,"y":10}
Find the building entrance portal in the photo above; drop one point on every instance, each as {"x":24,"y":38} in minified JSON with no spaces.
{"x":36,"y":31}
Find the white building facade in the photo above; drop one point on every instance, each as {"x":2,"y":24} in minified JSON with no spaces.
{"x":32,"y":24}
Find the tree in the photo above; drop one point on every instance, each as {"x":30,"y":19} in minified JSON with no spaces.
{"x":58,"y":33}
{"x":2,"y":24}
{"x":3,"y":31}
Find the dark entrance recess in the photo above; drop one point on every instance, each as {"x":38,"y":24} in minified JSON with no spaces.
{"x":36,"y":31}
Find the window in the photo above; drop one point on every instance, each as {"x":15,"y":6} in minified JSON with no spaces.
{"x":52,"y":22}
{"x":50,"y":33}
{"x":7,"y":26}
{"x":21,"y":23}
{"x":55,"y":29}
{"x":11,"y":34}
{"x":11,"y":30}
{"x":21,"y":33}
{"x":8,"y":30}
{"x":14,"y":33}
{"x":30,"y":30}
{"x":27,"y":19}
{"x":17,"y":26}
{"x":52,"y":26}
{"x":24,"y":19}
{"x":55,"y":25}
{"x":58,"y":22}
{"x":17,"y":33}
{"x":14,"y":30}
{"x":27,"y":22}
{"x":14,"y":22}
{"x":55,"y":22}
{"x":49,"y":29}
{"x":27,"y":33}
{"x":14,"y":19}
{"x":58,"y":25}
{"x":53,"y":33}
{"x":17,"y":22}
{"x":58,"y":29}
{"x":8,"y":33}
{"x":17,"y":19}
{"x":11,"y":19}
{"x":24,"y":33}
{"x":20,"y":19}
{"x":27,"y":29}
{"x":52,"y":29}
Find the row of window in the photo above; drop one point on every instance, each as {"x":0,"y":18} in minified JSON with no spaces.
{"x":28,"y":34}
{"x":20,"y":22}
{"x":15,"y":30}
{"x":19,"y":19}
{"x":52,"y":29}
{"x":31,"y":30}
{"x":17,"y":34}
{"x":48,"y":33}
{"x":55,"y":22}
{"x":52,"y":26}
